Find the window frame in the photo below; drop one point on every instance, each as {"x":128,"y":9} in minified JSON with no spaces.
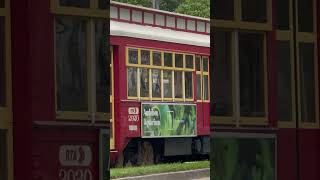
{"x":308,"y":37}
{"x":91,"y":113}
{"x":203,"y":73}
{"x":92,"y":11}
{"x":112,"y":121}
{"x":161,"y":68}
{"x":238,"y":23}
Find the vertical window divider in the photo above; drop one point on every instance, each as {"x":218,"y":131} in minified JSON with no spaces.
{"x":162,"y":64}
{"x":235,"y":59}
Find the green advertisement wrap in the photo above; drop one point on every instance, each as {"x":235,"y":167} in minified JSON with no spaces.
{"x":168,"y":120}
{"x":243,"y":158}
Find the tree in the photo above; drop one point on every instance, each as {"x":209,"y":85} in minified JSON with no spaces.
{"x":199,"y":8}
{"x":144,"y":3}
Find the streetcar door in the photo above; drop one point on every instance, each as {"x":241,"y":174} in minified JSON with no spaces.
{"x":112,"y":144}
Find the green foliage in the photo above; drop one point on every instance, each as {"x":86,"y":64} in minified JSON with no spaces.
{"x":199,"y":8}
{"x":170,"y":5}
{"x":144,"y":3}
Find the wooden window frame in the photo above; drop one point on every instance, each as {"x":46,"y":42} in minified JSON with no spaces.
{"x":92,"y":11}
{"x":237,"y":22}
{"x":6,"y":112}
{"x":91,"y":113}
{"x":161,"y":68}
{"x":308,"y":37}
{"x":202,"y":74}
{"x":112,"y":121}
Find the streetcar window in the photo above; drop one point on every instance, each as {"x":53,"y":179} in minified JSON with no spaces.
{"x":102,"y":66}
{"x":113,"y":12}
{"x":221,"y":75}
{"x":167,"y":84}
{"x":144,"y":82}
{"x":2,"y":64}
{"x":178,"y":88}
{"x":103,"y":4}
{"x":124,"y":14}
{"x":3,"y":155}
{"x":145,"y":57}
{"x":307,"y":82}
{"x":205,"y":87}
{"x":251,"y":66}
{"x":198,"y":63}
{"x":305,"y":16}
{"x":223,"y":9}
{"x":136,"y":16}
{"x":133,"y":56}
{"x":189,"y":61}
{"x":284,"y":81}
{"x":156,"y":58}
{"x":156,"y":83}
{"x":283,"y":14}
{"x":205,"y":64}
{"x":71,"y":63}
{"x":75,"y":3}
{"x":188,"y":85}
{"x":132,"y":82}
{"x":178,"y":60}
{"x":168,"y":59}
{"x":254,"y":10}
{"x":199,"y":85}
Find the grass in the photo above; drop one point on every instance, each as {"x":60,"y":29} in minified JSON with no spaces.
{"x":154,"y":169}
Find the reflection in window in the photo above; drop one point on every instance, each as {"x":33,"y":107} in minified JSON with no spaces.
{"x":3,"y":155}
{"x":71,"y":64}
{"x":251,"y":66}
{"x":75,"y":3}
{"x":178,"y":90}
{"x":284,"y":104}
{"x":307,"y":82}
{"x":223,"y":9}
{"x":2,"y":64}
{"x":157,"y":58}
{"x":102,"y":67}
{"x":254,"y":10}
{"x":132,"y":81}
{"x":144,"y":82}
{"x":199,"y":84}
{"x":179,"y":60}
{"x":145,"y":57}
{"x":221,"y":75}
{"x":167,"y":84}
{"x":189,"y":61}
{"x":168,"y":59}
{"x":133,"y":56}
{"x":305,"y":16}
{"x":188,"y":85}
{"x":156,"y":83}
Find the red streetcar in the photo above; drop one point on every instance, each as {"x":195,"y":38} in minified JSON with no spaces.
{"x":160,"y":84}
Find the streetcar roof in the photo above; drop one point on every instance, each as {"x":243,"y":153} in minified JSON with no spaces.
{"x":159,"y":34}
{"x":161,"y":11}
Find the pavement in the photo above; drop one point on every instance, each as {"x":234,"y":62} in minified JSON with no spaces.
{"x":199,"y":174}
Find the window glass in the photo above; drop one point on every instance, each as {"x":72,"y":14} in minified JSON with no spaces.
{"x":179,"y":60}
{"x":205,"y":64}
{"x":307,"y":82}
{"x":199,"y":97}
{"x":205,"y":87}
{"x":103,"y":4}
{"x":223,"y":9}
{"x":168,"y":59}
{"x":178,"y":91}
{"x":198,"y":63}
{"x":305,"y":16}
{"x":75,"y":3}
{"x":2,"y":3}
{"x":221,"y":75}
{"x":144,"y":82}
{"x":71,"y":64}
{"x":167,"y":84}
{"x":188,"y":85}
{"x":2,"y":64}
{"x":189,"y":61}
{"x":157,"y":58}
{"x":251,"y":60}
{"x":132,"y":81}
{"x":145,"y":57}
{"x":284,"y":104}
{"x":133,"y":56}
{"x":102,"y":67}
{"x":156,"y":83}
{"x":3,"y":155}
{"x":254,"y":10}
{"x":283,"y":19}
